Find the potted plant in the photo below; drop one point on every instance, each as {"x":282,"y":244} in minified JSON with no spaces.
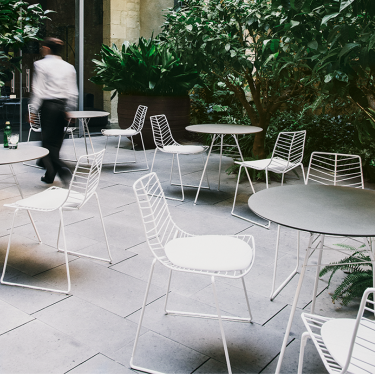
{"x":151,"y":74}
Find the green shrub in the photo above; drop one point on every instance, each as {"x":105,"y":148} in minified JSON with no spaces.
{"x":358,"y":278}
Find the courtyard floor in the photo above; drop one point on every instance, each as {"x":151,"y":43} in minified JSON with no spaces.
{"x":92,"y":329}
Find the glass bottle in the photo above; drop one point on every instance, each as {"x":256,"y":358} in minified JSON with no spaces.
{"x":7,"y":131}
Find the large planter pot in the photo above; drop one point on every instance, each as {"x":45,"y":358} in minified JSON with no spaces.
{"x":176,"y":109}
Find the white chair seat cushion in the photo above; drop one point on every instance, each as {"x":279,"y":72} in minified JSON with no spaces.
{"x":210,"y":252}
{"x":337,"y":334}
{"x":184,"y":149}
{"x":36,"y":129}
{"x":49,"y":200}
{"x":118,"y":132}
{"x":278,"y":165}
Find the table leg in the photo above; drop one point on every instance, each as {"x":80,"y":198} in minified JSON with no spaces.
{"x":294,"y":305}
{"x":204,"y":168}
{"x":239,"y":151}
{"x":86,"y":121}
{"x":221,"y":156}
{"x":20,"y":191}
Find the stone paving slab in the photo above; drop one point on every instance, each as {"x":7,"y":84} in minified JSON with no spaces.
{"x":37,"y":348}
{"x":100,"y":364}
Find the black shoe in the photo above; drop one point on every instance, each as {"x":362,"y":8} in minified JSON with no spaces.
{"x":43,"y":179}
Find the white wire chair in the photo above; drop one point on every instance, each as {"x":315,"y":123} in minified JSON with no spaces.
{"x":344,"y":345}
{"x":165,"y":143}
{"x":328,"y":169}
{"x":82,"y":188}
{"x":35,"y":126}
{"x":133,"y":130}
{"x":211,"y":255}
{"x":287,"y":155}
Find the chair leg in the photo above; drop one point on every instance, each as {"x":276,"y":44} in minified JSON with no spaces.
{"x":153,"y":160}
{"x":221,"y":326}
{"x":118,"y":147}
{"x":186,"y":185}
{"x":79,"y":254}
{"x":8,"y":248}
{"x":135,"y":367}
{"x":247,"y":172}
{"x":320,"y":248}
{"x":266,"y":171}
{"x":167,"y":294}
{"x":204,"y":168}
{"x":28,"y":212}
{"x":291,"y":275}
{"x":128,"y":162}
{"x":35,"y":287}
{"x":234,"y":203}
{"x":304,"y":338}
{"x":247,"y":298}
{"x":282,"y":178}
{"x":26,"y":163}
{"x":303,"y":174}
{"x":74,"y":146}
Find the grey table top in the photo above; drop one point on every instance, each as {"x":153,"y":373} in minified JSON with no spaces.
{"x":86,"y":114}
{"x":223,"y":129}
{"x":24,"y":152}
{"x":341,"y":211}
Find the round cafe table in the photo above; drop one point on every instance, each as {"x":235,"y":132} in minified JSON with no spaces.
{"x":317,"y":209}
{"x":24,"y":152}
{"x":85,"y":116}
{"x":218,"y":131}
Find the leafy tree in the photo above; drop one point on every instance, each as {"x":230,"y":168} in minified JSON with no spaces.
{"x":237,"y":42}
{"x":339,"y":38}
{"x":19,"y":24}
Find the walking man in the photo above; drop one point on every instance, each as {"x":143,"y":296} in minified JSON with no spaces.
{"x":55,"y":92}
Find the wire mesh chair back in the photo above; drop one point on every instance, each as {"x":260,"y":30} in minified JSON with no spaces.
{"x":139,"y":118}
{"x":289,"y":148}
{"x":157,"y":221}
{"x":335,"y":169}
{"x":161,"y":131}
{"x":363,"y":335}
{"x":360,"y":350}
{"x":34,"y":117}
{"x":85,"y":178}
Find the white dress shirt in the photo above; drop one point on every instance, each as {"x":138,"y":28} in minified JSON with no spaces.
{"x":54,"y":78}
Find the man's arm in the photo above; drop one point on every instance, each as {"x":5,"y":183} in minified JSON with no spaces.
{"x":37,"y":88}
{"x":72,"y":91}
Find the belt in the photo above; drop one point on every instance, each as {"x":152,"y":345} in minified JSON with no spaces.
{"x":56,"y":101}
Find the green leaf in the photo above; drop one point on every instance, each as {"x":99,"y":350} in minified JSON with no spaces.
{"x":313,"y":45}
{"x":345,"y":3}
{"x":294,"y":23}
{"x":347,"y":48}
{"x":329,"y":17}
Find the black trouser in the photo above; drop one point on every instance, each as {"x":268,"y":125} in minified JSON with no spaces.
{"x":53,"y":121}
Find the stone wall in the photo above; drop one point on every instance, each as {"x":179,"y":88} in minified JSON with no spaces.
{"x":121,"y":21}
{"x":151,"y":16}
